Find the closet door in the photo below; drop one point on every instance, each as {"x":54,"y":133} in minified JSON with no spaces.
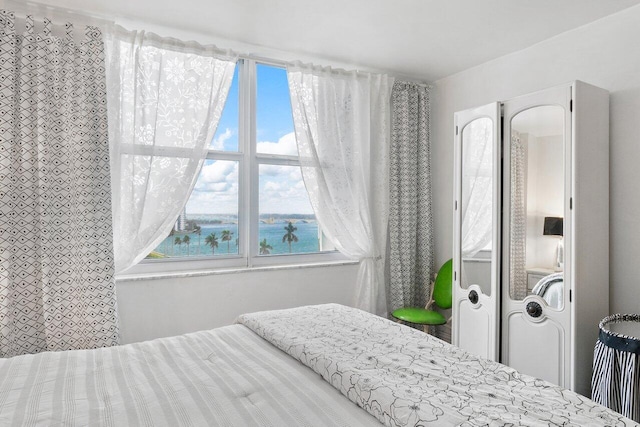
{"x":476,"y":230}
{"x":536,"y":246}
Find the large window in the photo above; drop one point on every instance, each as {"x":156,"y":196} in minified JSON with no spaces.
{"x":249,"y":205}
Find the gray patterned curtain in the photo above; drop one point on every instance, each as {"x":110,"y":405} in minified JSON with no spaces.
{"x":518,"y":223}
{"x":410,"y":216}
{"x":56,"y":256}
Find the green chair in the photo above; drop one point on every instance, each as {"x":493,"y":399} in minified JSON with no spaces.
{"x":440,"y":295}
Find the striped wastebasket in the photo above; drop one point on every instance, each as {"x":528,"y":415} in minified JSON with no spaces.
{"x":616,"y":365}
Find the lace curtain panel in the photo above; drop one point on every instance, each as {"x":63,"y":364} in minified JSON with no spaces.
{"x":518,"y":222}
{"x":165,"y":101}
{"x":341,"y":124}
{"x":410,"y":214}
{"x":56,"y":265}
{"x":477,"y":187}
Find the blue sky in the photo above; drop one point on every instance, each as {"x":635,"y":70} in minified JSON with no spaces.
{"x":273,"y":110}
{"x":217,"y":188}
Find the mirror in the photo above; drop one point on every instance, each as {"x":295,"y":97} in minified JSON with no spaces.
{"x":536,"y":251}
{"x":476,"y":204}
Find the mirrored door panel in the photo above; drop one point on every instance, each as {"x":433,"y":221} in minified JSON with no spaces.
{"x":536,"y":203}
{"x":476,"y":204}
{"x":476,"y":230}
{"x":535,"y":277}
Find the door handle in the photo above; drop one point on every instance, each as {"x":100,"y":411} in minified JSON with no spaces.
{"x":534,"y":309}
{"x":473,"y":297}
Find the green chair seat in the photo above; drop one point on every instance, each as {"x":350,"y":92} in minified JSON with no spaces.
{"x":420,"y":316}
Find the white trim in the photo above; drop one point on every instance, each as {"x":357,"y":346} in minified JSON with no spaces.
{"x":134,"y":277}
{"x":249,"y":162}
{"x":225,"y":155}
{"x":254,"y":193}
{"x":172,"y":265}
{"x":204,"y":263}
{"x":292,"y":259}
{"x":244,"y":174}
{"x":277,"y":159}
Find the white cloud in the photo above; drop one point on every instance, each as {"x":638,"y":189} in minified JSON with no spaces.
{"x":212,"y":203}
{"x":286,"y":145}
{"x":218,"y":143}
{"x":271,"y":186}
{"x":216,"y":190}
{"x":282,"y":191}
{"x":296,"y":175}
{"x":217,"y":172}
{"x":274,"y":170}
{"x":219,"y":187}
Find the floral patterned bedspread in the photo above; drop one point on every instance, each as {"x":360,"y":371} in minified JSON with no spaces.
{"x":404,"y":377}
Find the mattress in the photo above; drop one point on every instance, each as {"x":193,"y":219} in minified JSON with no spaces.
{"x":223,"y":377}
{"x":326,"y":365}
{"x":404,"y":377}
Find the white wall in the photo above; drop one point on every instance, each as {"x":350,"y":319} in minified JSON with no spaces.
{"x":153,"y":308}
{"x":604,"y":53}
{"x":545,"y":197}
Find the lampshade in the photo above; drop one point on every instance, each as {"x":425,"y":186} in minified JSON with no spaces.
{"x":553,"y":226}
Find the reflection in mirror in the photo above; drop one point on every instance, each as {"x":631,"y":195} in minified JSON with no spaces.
{"x":477,"y":204}
{"x":537,"y":204}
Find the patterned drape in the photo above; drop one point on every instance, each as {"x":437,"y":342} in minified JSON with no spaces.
{"x":410,"y":214}
{"x":518,"y":214}
{"x":56,"y":256}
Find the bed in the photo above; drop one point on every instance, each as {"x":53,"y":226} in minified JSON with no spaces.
{"x":551,"y":289}
{"x":325,"y":365}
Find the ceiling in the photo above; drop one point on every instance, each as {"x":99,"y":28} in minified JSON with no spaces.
{"x":419,"y":39}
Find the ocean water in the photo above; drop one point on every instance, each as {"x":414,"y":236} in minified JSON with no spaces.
{"x":307,"y":234}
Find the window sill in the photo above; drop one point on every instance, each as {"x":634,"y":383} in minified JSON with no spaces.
{"x":231,"y":270}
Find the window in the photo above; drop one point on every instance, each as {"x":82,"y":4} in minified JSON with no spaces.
{"x":249,"y":205}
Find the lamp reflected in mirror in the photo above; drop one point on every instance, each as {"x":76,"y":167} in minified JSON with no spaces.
{"x":553,"y":226}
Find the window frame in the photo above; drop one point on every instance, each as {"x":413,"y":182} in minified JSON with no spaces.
{"x":249,"y":161}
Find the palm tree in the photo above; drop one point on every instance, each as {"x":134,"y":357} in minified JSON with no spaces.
{"x":289,"y":237}
{"x":198,"y":230}
{"x":265,"y":248}
{"x":187,"y":241}
{"x":212,"y":240}
{"x":178,"y":241}
{"x":227,"y":235}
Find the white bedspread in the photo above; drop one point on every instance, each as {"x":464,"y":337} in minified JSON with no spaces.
{"x":404,"y":377}
{"x":223,"y":377}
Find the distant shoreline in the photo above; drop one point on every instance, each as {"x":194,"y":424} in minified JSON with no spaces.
{"x":220,"y":219}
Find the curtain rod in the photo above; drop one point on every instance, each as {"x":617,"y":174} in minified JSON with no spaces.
{"x":29,"y":6}
{"x":284,"y":63}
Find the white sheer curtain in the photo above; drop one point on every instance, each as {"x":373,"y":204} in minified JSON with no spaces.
{"x":341,"y":123}
{"x":165,"y":101}
{"x":477,"y":186}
